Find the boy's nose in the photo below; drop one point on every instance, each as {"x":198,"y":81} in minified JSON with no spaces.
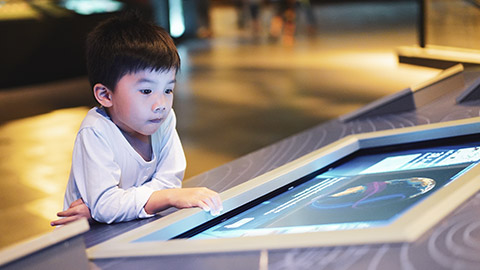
{"x":159,"y":109}
{"x":159,"y":104}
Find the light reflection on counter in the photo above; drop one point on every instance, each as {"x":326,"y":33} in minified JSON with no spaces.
{"x":37,"y":152}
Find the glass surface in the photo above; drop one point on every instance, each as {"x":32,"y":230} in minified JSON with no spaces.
{"x":371,"y":188}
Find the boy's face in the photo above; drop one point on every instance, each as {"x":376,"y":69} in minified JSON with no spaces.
{"x":141,"y":101}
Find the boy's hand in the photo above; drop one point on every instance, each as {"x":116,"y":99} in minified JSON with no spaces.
{"x":77,"y":210}
{"x":204,"y":198}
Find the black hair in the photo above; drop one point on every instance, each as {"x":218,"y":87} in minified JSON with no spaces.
{"x":127,"y":44}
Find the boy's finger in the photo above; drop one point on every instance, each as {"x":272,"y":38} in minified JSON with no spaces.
{"x":213,"y":206}
{"x":65,"y":213}
{"x":63,"y":221}
{"x":215,"y":203}
{"x":62,"y":214}
{"x":76,"y":202}
{"x":68,"y":212}
{"x":218,"y":202}
{"x":204,"y":206}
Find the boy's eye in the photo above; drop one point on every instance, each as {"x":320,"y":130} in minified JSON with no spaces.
{"x":146,"y":91}
{"x":168,"y":91}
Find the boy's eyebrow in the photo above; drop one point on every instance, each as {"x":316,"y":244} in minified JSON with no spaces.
{"x":145,"y":80}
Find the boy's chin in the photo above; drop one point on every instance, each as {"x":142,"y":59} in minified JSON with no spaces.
{"x":150,"y":131}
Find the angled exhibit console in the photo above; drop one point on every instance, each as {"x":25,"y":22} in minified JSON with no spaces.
{"x":378,"y":187}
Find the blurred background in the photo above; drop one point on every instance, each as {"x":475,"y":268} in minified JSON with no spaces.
{"x":253,"y":73}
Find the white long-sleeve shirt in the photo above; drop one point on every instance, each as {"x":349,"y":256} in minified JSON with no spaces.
{"x":113,"y":180}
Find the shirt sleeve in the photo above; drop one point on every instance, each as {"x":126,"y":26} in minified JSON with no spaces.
{"x":97,"y":177}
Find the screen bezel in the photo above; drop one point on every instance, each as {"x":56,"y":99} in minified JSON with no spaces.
{"x":407,"y":228}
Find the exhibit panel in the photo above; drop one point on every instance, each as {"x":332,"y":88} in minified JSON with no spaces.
{"x":381,"y":187}
{"x":450,"y":243}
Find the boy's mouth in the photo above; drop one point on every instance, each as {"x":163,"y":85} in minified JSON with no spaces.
{"x":156,"y":120}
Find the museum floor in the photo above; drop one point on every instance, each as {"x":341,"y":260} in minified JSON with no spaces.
{"x":235,"y":94}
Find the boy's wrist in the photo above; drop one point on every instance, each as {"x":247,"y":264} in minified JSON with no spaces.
{"x":166,"y":195}
{"x":158,"y":201}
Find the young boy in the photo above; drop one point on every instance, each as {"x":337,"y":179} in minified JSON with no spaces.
{"x":128,"y":161}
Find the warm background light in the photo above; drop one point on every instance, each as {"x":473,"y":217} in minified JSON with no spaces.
{"x":234,"y":95}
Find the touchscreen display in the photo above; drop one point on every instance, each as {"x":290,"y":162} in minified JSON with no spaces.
{"x":371,"y":188}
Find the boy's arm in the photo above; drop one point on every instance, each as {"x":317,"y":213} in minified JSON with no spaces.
{"x":97,"y":177}
{"x":167,"y":179}
{"x":169,"y":174}
{"x":202,"y":197}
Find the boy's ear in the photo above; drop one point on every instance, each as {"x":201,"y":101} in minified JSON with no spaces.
{"x":103,"y":95}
